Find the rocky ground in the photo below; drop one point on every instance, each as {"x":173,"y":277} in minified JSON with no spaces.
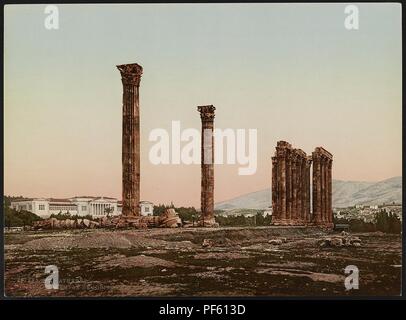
{"x":262,"y":261}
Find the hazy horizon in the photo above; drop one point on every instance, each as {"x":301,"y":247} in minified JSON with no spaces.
{"x":291,"y":71}
{"x":225,"y":200}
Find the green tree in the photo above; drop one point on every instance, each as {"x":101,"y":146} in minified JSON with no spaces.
{"x":382,"y":221}
{"x":159,"y":209}
{"x":109,"y":210}
{"x":14,"y":218}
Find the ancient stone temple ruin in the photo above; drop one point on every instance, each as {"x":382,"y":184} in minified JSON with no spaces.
{"x":131,"y":77}
{"x":293,"y":200}
{"x":207,"y":165}
{"x":291,"y":192}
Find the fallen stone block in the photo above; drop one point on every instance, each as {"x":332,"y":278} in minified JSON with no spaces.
{"x":336,"y":242}
{"x":275,"y":242}
{"x":354,"y":240}
{"x":93,"y":224}
{"x":207,"y":243}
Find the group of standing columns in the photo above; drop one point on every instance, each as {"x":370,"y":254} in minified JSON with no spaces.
{"x":322,"y":187}
{"x":290,"y":168}
{"x":291,"y":192}
{"x":290,"y":185}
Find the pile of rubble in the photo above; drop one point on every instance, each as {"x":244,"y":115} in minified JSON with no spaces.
{"x":277,"y":241}
{"x":168,"y":219}
{"x":344,"y":240}
{"x":53,"y":223}
{"x":207,"y":243}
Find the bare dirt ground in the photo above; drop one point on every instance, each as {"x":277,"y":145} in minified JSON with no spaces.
{"x":173,"y":262}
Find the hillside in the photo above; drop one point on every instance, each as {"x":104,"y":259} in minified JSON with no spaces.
{"x":345,"y":193}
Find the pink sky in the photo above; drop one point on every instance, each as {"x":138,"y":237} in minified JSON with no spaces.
{"x":292,"y":72}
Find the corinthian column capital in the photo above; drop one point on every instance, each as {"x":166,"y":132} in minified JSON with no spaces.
{"x":206,"y":112}
{"x":130,"y":73}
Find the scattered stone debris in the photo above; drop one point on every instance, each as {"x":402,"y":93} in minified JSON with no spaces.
{"x":345,"y":240}
{"x":224,"y":256}
{"x":277,"y":241}
{"x":169,"y":219}
{"x":139,"y":261}
{"x":207,"y":243}
{"x":119,"y":261}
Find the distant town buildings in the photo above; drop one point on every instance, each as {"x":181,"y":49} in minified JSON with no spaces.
{"x":80,"y":206}
{"x":267,"y":212}
{"x":367,"y":213}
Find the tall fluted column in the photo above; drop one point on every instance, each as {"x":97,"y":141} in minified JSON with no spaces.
{"x":299,"y":190}
{"x":274,"y":184}
{"x":330,"y":192}
{"x":308,"y":204}
{"x":320,"y":190}
{"x":130,"y":78}
{"x":207,"y":164}
{"x":321,"y":187}
{"x":288,"y":185}
{"x":294,"y":189}
{"x":304,"y":190}
{"x":326,"y":182}
{"x":282,"y":183}
{"x":323,"y":190}
{"x":316,"y":188}
{"x":278,"y":215}
{"x":326,"y":206}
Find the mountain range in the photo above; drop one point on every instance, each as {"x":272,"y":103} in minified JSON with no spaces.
{"x":345,"y":193}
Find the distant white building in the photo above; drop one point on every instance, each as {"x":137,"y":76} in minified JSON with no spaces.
{"x":146,"y":208}
{"x":339,"y":215}
{"x":81,"y":206}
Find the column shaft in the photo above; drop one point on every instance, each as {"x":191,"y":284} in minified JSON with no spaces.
{"x":294,"y":189}
{"x":316,"y":189}
{"x":322,"y":187}
{"x":303,"y":190}
{"x":283,"y":188}
{"x":299,"y":190}
{"x":323,"y":191}
{"x":288,"y":185}
{"x":274,"y":188}
{"x":308,"y":204}
{"x":327,"y":191}
{"x":330,"y":192}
